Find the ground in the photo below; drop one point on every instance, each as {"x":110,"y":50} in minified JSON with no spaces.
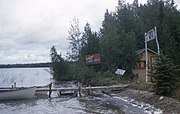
{"x":168,"y":105}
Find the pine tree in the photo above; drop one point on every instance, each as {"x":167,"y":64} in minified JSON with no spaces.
{"x":75,"y":40}
{"x":59,"y":67}
{"x":90,"y":41}
{"x":166,"y":77}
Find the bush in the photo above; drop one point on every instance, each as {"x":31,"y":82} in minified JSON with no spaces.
{"x":81,"y":72}
{"x":165,"y":75}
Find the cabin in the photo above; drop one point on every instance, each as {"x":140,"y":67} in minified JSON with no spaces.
{"x":140,"y":68}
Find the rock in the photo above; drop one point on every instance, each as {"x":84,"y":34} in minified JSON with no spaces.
{"x":161,"y":98}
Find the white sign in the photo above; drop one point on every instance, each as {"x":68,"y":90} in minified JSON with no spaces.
{"x":150,"y":35}
{"x":120,"y":71}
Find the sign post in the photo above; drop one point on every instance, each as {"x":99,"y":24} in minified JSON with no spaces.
{"x":157,"y":41}
{"x":146,"y":59}
{"x":150,"y":35}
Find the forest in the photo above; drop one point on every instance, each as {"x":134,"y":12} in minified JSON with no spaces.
{"x":121,"y":35}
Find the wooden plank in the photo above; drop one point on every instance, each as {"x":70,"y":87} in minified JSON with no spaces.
{"x":55,"y":89}
{"x":84,"y":88}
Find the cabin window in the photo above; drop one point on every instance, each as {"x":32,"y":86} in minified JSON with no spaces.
{"x":141,"y":65}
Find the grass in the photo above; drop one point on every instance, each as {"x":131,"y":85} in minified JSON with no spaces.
{"x":176,"y":95}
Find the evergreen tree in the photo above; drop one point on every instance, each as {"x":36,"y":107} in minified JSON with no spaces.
{"x":90,"y":41}
{"x":118,"y":41}
{"x":165,"y":74}
{"x":59,"y":67}
{"x":109,"y":40}
{"x":75,"y":40}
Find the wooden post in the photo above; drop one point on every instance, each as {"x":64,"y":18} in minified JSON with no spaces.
{"x":90,"y":91}
{"x":50,"y":91}
{"x":79,"y":89}
{"x":59,"y":92}
{"x":14,"y":86}
{"x":75,"y":93}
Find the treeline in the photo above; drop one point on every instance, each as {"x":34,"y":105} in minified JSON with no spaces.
{"x":121,"y":34}
{"x":32,"y":65}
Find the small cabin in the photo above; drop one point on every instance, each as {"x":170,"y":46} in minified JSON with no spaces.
{"x":140,"y":68}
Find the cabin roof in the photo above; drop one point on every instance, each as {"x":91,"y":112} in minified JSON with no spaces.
{"x":143,"y":50}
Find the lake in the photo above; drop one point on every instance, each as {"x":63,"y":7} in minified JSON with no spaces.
{"x":55,"y":105}
{"x":102,"y":104}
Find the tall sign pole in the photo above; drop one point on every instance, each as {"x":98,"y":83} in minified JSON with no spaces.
{"x":150,"y":35}
{"x":146,"y":58}
{"x":157,"y":41}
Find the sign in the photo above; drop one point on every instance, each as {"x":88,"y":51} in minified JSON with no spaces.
{"x":93,"y":59}
{"x":150,"y":35}
{"x":120,"y":71}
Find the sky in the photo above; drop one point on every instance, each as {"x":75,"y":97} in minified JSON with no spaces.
{"x":29,"y":28}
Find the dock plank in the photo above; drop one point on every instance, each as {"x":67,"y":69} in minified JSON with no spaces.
{"x":84,"y":88}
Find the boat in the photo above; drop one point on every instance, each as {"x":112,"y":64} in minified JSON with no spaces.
{"x":44,"y":93}
{"x":18,"y":93}
{"x":41,"y":93}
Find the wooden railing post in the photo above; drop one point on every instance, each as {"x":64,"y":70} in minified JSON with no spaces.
{"x":90,"y":91}
{"x":79,"y":89}
{"x":50,"y":91}
{"x":59,"y":92}
{"x":14,"y":87}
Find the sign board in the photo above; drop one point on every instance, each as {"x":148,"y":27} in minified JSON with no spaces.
{"x":120,"y":71}
{"x":93,"y":59}
{"x":150,"y":35}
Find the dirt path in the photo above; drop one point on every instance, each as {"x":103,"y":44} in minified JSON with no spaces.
{"x":168,"y":105}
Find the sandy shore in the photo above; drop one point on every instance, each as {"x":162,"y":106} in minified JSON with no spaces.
{"x":168,"y":105}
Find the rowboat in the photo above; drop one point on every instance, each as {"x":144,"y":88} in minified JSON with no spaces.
{"x":19,"y":93}
{"x":44,"y":93}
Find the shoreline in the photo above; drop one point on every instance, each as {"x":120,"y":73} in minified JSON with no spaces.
{"x":166,"y":104}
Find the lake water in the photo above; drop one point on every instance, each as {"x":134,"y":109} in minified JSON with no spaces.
{"x":24,"y":76}
{"x":43,"y":105}
{"x":65,"y":104}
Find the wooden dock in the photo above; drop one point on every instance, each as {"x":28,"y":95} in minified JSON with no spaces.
{"x":81,"y":89}
{"x":40,"y":90}
{"x":114,"y":87}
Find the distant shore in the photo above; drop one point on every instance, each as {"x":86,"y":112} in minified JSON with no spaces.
{"x":29,"y":65}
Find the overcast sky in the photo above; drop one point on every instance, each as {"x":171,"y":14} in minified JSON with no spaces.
{"x":29,"y":28}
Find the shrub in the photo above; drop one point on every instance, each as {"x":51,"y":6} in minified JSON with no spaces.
{"x":165,"y":75}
